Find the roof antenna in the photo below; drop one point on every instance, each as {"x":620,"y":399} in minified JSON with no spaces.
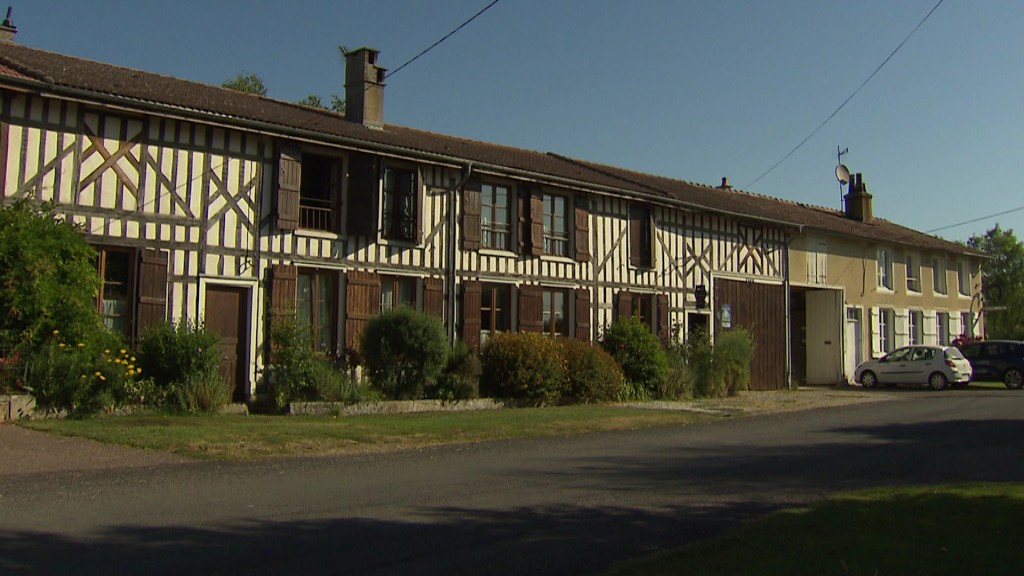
{"x":842,"y":172}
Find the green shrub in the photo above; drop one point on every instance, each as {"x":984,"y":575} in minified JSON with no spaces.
{"x":678,"y":383}
{"x":460,"y":379}
{"x":700,"y":366}
{"x":523,"y":365}
{"x":404,"y":352}
{"x":732,"y":355}
{"x":592,"y":374}
{"x":295,"y":372}
{"x":184,"y":361}
{"x":638,"y":352}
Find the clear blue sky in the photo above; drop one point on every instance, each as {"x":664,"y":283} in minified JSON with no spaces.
{"x":685,"y":89}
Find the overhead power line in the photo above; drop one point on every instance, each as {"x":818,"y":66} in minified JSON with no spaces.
{"x":1003,"y":213}
{"x":446,"y":36}
{"x":850,"y":97}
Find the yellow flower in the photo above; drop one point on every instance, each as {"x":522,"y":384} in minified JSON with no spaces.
{"x":61,"y":344}
{"x":123,"y":350}
{"x":82,"y":377}
{"x":81,"y":344}
{"x":138,"y":370}
{"x":106,"y":351}
{"x":55,"y":332}
{"x":103,"y":378}
{"x":133,"y":358}
{"x":97,"y":373}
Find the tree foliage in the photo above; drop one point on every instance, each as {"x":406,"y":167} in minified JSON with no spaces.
{"x":248,"y":83}
{"x":48,"y":278}
{"x":1003,"y":284}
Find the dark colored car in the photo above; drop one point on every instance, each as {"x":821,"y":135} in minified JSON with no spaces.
{"x":997,"y":361}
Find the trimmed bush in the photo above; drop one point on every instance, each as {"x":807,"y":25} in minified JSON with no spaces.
{"x":404,"y":352}
{"x":638,"y":352}
{"x":732,"y":355}
{"x":523,"y":365}
{"x":592,"y":374}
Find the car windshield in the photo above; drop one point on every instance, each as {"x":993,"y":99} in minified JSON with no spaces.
{"x":953,"y":354}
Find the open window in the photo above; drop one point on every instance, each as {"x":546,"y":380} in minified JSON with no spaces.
{"x":308,"y":190}
{"x":554,"y":224}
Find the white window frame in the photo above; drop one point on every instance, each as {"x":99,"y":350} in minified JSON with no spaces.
{"x":884,"y":269}
{"x":913,"y":274}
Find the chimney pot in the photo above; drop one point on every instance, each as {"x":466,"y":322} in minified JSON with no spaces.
{"x":725,"y":183}
{"x":858,"y":201}
{"x":8,"y":29}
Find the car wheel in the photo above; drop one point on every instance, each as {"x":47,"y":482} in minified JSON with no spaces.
{"x":938,"y":381}
{"x":1013,"y":379}
{"x":868,"y":380}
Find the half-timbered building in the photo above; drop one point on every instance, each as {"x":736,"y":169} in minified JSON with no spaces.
{"x":209,"y":204}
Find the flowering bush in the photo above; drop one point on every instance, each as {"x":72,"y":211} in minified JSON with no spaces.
{"x":77,"y":379}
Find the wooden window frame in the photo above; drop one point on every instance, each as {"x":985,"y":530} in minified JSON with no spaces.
{"x":103,"y":254}
{"x":320,"y":193}
{"x":495,"y":309}
{"x":556,"y":240}
{"x":317,"y":324}
{"x":401,"y":204}
{"x":493,"y":229}
{"x":394,"y":284}
{"x":549,"y":296}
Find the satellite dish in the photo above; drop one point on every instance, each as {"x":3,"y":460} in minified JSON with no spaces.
{"x":842,"y":174}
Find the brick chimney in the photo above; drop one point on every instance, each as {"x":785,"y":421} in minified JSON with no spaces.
{"x":364,"y":88}
{"x":858,"y":201}
{"x":8,"y":29}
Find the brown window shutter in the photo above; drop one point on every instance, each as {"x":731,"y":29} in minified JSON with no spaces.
{"x":522,"y":203}
{"x":536,"y":221}
{"x":582,"y":228}
{"x":289,"y":180}
{"x":664,"y":329}
{"x":433,"y":297}
{"x":531,"y":309}
{"x":337,"y":177}
{"x":418,"y":198}
{"x":363,"y":195}
{"x":623,"y":305}
{"x":362,"y":302}
{"x":151,"y":305}
{"x":471,"y":313}
{"x":283,"y":286}
{"x":636,"y":243}
{"x":471,"y":207}
{"x":583,"y":314}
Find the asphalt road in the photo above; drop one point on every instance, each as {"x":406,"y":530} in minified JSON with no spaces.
{"x":552,"y":506}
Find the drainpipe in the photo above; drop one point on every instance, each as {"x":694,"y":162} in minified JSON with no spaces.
{"x":786,"y":286}
{"x":451,"y":272}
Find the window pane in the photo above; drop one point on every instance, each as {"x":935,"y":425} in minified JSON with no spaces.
{"x":116,"y":285}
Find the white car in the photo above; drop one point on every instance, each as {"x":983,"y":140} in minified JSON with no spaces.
{"x":936,"y":366}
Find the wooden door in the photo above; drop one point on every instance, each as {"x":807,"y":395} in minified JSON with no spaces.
{"x":761,"y":309}
{"x":227,"y":315}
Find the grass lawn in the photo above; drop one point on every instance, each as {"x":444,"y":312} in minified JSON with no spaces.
{"x":933,"y":530}
{"x":252,"y":437}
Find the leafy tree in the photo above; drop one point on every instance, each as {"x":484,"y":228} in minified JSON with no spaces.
{"x":1003,"y":282}
{"x":248,"y":83}
{"x":48,"y":278}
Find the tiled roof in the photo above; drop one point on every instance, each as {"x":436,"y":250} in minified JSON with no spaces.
{"x":86,"y":78}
